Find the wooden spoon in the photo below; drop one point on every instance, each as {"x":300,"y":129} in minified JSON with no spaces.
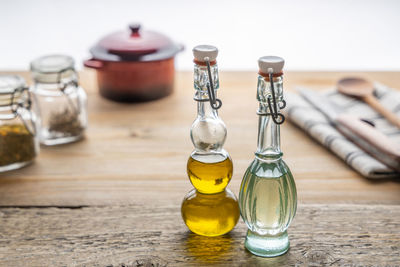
{"x":362,"y":89}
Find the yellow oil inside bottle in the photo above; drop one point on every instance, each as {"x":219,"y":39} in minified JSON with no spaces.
{"x":210,"y":214}
{"x":210,"y":178}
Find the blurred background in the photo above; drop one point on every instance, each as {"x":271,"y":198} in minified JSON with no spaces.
{"x":311,"y":34}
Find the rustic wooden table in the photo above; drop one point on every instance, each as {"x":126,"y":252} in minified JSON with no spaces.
{"x":114,"y":198}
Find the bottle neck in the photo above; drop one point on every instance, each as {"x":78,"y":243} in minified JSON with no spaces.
{"x":268,"y":145}
{"x":208,"y":131}
{"x":204,"y":109}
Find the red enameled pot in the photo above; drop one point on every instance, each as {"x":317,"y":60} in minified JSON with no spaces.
{"x":134,"y":65}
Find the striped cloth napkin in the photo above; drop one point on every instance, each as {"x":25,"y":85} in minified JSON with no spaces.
{"x":311,"y":120}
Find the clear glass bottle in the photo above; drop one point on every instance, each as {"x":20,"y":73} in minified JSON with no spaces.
{"x":18,"y":141}
{"x":268,"y":198}
{"x":62,"y":103}
{"x":211,"y":209}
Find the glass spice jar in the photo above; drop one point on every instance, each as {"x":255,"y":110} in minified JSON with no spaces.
{"x":62,"y":103}
{"x":18,"y":141}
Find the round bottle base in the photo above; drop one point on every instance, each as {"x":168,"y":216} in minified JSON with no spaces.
{"x":210,"y":214}
{"x":267,"y":246}
{"x":61,"y":140}
{"x":15,"y":166}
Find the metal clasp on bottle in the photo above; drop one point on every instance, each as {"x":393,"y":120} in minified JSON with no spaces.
{"x":214,"y":102}
{"x":277,"y":117}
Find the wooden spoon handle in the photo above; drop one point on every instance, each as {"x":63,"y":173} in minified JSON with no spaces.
{"x":389,"y":115}
{"x":370,"y":139}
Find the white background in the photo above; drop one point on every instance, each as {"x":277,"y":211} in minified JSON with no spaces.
{"x":309,"y":34}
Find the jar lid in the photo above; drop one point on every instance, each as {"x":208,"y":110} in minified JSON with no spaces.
{"x":9,"y":85}
{"x":135,"y":44}
{"x":52,"y":68}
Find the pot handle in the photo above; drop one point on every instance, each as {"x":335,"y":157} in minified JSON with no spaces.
{"x":93,"y":63}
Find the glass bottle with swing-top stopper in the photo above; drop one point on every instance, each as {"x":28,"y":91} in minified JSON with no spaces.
{"x":210,"y":209}
{"x":268,"y":198}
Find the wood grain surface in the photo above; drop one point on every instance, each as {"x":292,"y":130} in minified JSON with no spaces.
{"x":114,"y":198}
{"x":154,"y":235}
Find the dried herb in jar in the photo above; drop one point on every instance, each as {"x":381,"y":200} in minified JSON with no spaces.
{"x":66,"y":122}
{"x":16,"y":144}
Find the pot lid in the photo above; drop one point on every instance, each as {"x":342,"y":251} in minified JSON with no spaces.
{"x":135,"y":44}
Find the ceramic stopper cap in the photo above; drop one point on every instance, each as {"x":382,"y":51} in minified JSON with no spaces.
{"x":202,"y":51}
{"x":271,"y":62}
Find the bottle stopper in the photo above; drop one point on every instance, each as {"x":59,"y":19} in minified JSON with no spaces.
{"x":271,"y":64}
{"x":202,"y":52}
